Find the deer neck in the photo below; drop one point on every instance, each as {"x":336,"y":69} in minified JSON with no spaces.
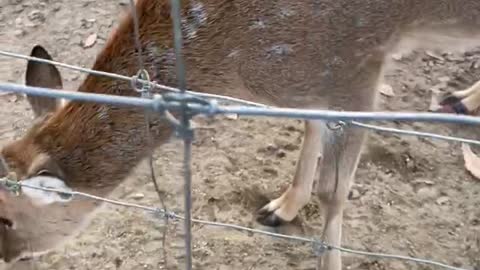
{"x":97,"y":145}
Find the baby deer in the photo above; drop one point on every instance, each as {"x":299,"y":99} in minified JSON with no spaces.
{"x":320,"y":54}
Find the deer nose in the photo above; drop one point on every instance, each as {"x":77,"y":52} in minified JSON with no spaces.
{"x":7,"y":254}
{"x":6,"y":222}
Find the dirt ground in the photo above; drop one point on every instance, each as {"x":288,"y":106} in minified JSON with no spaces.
{"x":412,"y":195}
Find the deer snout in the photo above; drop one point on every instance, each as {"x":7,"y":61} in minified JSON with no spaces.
{"x":35,"y":220}
{"x":6,"y":220}
{"x":9,"y":249}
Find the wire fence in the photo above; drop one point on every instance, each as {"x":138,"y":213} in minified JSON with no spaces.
{"x":190,"y":103}
{"x":318,"y":246}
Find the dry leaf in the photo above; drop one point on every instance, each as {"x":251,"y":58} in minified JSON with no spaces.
{"x":90,"y":41}
{"x":434,"y":101}
{"x":397,"y":56}
{"x":387,"y":90}
{"x":434,"y":55}
{"x":194,"y":125}
{"x":472,"y":161}
{"x":444,"y":79}
{"x":443,"y":200}
{"x":424,"y":181}
{"x":231,"y":116}
{"x":138,"y":196}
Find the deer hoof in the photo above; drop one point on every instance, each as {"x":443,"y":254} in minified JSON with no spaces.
{"x":449,"y":99}
{"x":270,"y":219}
{"x":455,"y":108}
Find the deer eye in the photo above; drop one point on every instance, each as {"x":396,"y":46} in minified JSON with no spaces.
{"x":45,"y":173}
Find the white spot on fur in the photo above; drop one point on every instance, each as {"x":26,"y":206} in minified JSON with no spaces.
{"x":286,"y":12}
{"x":170,"y":56}
{"x":258,"y":24}
{"x":103,"y":113}
{"x":280,"y":50}
{"x":234,"y":53}
{"x":159,"y":60}
{"x":43,"y":197}
{"x":196,"y":17}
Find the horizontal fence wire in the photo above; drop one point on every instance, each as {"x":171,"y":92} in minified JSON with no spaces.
{"x":316,"y":244}
{"x":158,"y":103}
{"x":254,"y":108}
{"x":175,"y":101}
{"x":124,"y":78}
{"x":415,"y":133}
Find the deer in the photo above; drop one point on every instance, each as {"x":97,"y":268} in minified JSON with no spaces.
{"x":320,"y":54}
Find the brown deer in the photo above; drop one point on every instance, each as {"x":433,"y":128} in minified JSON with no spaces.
{"x":319,"y":54}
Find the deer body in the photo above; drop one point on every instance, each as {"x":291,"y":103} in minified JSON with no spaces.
{"x":319,"y":54}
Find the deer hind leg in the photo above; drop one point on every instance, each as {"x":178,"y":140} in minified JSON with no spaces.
{"x":346,"y":151}
{"x":462,"y":102}
{"x":286,"y":207}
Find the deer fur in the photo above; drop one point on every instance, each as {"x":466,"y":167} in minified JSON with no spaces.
{"x":320,"y":54}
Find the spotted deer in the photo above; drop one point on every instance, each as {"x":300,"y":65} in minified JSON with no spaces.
{"x":319,"y":54}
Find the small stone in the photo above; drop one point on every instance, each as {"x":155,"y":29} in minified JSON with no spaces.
{"x":281,"y":154}
{"x":397,"y":56}
{"x":426,"y":193}
{"x":443,"y":200}
{"x":423,"y":181}
{"x":30,"y":25}
{"x":387,"y":90}
{"x":19,"y":33}
{"x":444,"y":79}
{"x":271,"y":171}
{"x":118,"y":262}
{"x":476,"y":64}
{"x":137,"y":196}
{"x":354,"y":194}
{"x":36,"y":16}
{"x":180,"y":256}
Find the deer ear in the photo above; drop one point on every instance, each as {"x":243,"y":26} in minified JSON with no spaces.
{"x":42,"y":75}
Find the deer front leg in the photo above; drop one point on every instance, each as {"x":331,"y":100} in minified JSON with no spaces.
{"x":346,"y":150}
{"x":286,"y":207}
{"x":462,"y":102}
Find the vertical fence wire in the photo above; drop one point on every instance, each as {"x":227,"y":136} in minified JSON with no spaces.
{"x":185,"y":132}
{"x":146,"y":93}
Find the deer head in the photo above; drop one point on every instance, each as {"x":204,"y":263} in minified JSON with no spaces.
{"x":88,"y":147}
{"x":36,"y":220}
